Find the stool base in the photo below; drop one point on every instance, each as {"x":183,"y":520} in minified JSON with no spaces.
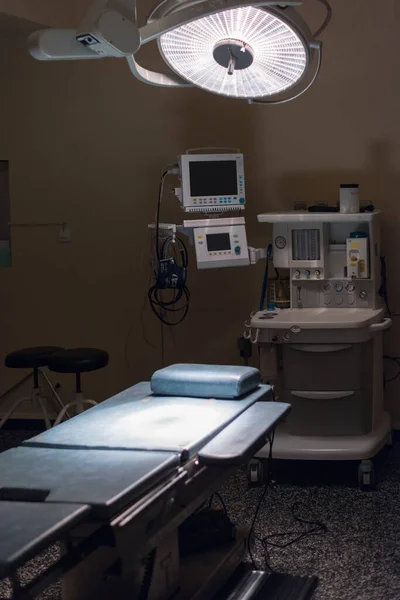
{"x":36,"y":396}
{"x":79,"y":404}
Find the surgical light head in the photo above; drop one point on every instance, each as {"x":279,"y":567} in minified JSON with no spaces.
{"x":243,"y":52}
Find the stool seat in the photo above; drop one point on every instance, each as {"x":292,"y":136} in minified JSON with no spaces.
{"x":31,"y":358}
{"x":78,"y":360}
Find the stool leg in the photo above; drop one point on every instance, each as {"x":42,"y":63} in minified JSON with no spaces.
{"x":54,"y":393}
{"x":90,"y":402}
{"x":12,"y":409}
{"x":62,"y":414}
{"x":16,"y":386}
{"x":77,"y":403}
{"x":42,"y":404}
{"x":81,"y":400}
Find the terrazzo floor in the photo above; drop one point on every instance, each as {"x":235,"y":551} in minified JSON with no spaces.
{"x":357,"y":558}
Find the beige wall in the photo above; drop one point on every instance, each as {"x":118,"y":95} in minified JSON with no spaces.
{"x":53,"y":13}
{"x":86,"y":143}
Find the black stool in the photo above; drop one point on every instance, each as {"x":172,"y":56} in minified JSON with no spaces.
{"x":78,"y":361}
{"x":32,"y":358}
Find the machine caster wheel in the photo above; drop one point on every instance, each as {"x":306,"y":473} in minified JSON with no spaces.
{"x":366,"y":475}
{"x":255,"y":473}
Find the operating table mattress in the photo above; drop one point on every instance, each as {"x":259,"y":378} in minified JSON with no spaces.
{"x":104,"y":460}
{"x":136,"y":419}
{"x":107,"y":480}
{"x":28,"y":527}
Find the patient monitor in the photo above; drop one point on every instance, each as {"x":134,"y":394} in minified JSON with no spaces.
{"x":212,"y":182}
{"x":219,"y":242}
{"x":212,"y":185}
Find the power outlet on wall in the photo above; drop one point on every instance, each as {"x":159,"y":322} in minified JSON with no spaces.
{"x":64,"y":235}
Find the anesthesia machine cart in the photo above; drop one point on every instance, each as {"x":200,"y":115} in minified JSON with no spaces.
{"x":324,"y":353}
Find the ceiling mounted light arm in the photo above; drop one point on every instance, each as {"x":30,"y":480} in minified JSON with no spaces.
{"x":109,"y":29}
{"x":326,"y":20}
{"x":157,"y":79}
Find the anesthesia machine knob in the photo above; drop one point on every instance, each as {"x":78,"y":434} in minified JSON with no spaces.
{"x":317,"y":274}
{"x":297,"y":274}
{"x":238,"y":249}
{"x":307,"y":273}
{"x":363,"y":295}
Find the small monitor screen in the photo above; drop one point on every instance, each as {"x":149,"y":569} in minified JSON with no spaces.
{"x":213,"y":178}
{"x":218,"y":241}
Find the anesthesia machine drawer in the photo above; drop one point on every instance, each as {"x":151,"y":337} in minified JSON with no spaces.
{"x":327,"y":366}
{"x":318,"y":413}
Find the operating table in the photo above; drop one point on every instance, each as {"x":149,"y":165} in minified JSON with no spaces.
{"x":113,"y":485}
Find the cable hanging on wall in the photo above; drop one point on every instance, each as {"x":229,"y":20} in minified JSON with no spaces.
{"x":168,"y":296}
{"x":256,"y":50}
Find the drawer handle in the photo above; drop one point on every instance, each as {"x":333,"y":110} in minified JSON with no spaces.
{"x":322,"y":395}
{"x":376,"y":327}
{"x":320,"y":347}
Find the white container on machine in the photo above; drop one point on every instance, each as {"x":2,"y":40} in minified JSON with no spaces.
{"x":349,"y":198}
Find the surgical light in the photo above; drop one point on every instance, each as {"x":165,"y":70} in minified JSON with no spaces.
{"x":243,"y":52}
{"x":252,"y":49}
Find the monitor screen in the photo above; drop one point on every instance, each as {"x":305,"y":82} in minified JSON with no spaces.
{"x":213,"y":178}
{"x":218,"y":241}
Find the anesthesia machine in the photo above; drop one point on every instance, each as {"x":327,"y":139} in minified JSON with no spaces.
{"x":324,"y":354}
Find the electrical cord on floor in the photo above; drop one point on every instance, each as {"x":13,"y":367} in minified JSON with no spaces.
{"x":317,"y":527}
{"x":253,"y":523}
